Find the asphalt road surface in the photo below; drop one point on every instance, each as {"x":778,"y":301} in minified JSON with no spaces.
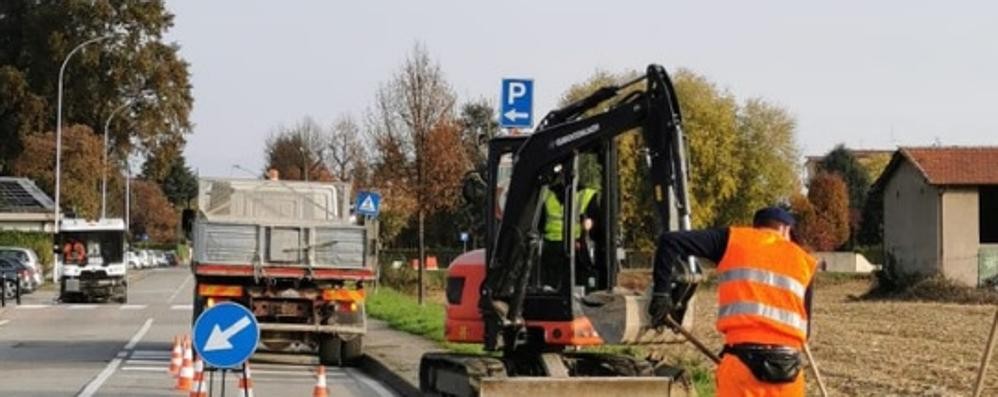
{"x":52,"y":349}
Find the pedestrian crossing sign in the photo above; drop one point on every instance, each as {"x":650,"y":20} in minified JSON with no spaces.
{"x":368,"y":204}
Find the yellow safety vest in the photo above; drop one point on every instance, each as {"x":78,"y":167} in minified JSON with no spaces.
{"x":554,"y":211}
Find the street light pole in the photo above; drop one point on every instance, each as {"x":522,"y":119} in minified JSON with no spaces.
{"x":58,"y":123}
{"x":103,"y":184}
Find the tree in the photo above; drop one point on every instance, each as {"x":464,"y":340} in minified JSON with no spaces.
{"x":180,"y":184}
{"x":136,"y":64}
{"x":829,"y":197}
{"x":81,"y":164}
{"x":298,"y":151}
{"x":479,"y":125}
{"x":710,"y":123}
{"x":347,"y":155}
{"x":767,"y":154}
{"x":151,"y":213}
{"x":407,"y":109}
{"x":857,"y":179}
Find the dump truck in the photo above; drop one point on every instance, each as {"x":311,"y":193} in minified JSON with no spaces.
{"x":541,"y":325}
{"x":90,"y":260}
{"x":293,"y":254}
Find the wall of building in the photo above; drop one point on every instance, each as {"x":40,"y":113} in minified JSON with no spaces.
{"x":844,"y":262}
{"x":960,"y":234}
{"x":911,"y":222}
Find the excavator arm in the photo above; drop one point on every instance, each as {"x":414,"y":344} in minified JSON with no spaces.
{"x":560,"y":137}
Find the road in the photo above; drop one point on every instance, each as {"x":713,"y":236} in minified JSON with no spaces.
{"x":51,"y":349}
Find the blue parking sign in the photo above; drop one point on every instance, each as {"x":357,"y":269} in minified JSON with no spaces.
{"x":517,"y":109}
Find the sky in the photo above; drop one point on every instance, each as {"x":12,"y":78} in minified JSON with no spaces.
{"x":867,"y":74}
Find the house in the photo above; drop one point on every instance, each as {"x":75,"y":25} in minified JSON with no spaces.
{"x":941,"y":212}
{"x":24,"y":207}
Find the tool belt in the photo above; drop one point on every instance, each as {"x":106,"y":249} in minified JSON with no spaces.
{"x":768,"y":363}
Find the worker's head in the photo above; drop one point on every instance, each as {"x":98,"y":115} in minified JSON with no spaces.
{"x":774,"y":218}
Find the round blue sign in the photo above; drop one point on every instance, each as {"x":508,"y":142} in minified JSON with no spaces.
{"x":226,"y":335}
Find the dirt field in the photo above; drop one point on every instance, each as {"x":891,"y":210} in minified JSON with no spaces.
{"x":883,"y":348}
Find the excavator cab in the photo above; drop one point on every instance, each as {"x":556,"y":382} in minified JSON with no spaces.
{"x":537,"y":297}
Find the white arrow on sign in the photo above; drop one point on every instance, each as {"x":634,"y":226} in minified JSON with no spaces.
{"x":219,"y":340}
{"x":513,"y":115}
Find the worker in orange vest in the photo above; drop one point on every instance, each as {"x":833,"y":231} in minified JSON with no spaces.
{"x":74,"y":252}
{"x":764,"y":298}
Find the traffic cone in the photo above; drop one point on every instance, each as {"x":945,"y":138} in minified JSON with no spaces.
{"x":320,"y":383}
{"x":176,"y":358}
{"x":186,"y":378}
{"x":199,"y":389}
{"x":245,"y":383}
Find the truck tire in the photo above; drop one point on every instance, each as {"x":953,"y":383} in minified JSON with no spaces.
{"x":330,"y":347}
{"x":121,"y":294}
{"x":351,"y":350}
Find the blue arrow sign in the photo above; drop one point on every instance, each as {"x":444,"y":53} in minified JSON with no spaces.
{"x":517,"y":110}
{"x":226,"y":335}
{"x":368,"y":204}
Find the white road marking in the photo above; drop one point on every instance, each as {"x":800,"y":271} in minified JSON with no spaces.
{"x":103,"y":376}
{"x":147,"y":362}
{"x":182,"y":307}
{"x":132,"y":307}
{"x":149,"y":369}
{"x":138,"y":335}
{"x":174,"y":296}
{"x":81,"y":307}
{"x":32,"y":306}
{"x":151,"y":353}
{"x":2,"y":322}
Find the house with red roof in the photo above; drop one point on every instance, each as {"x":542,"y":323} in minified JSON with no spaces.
{"x":941,"y":212}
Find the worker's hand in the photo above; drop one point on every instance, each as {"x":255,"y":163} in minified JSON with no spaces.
{"x":661,"y":305}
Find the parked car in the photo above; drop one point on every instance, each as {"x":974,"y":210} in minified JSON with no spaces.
{"x":171,"y":258}
{"x":11,"y":270}
{"x":139,"y":259}
{"x":28,"y":257}
{"x":160,"y":259}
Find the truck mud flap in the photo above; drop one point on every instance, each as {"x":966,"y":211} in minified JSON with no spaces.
{"x":584,"y":387}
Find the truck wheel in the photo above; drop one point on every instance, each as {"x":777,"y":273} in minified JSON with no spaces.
{"x":329,"y":349}
{"x":121,"y":295}
{"x":352,"y":350}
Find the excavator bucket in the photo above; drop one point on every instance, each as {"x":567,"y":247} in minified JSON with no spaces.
{"x":585,"y":387}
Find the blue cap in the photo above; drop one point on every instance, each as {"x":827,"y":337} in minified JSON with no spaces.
{"x":773,"y":214}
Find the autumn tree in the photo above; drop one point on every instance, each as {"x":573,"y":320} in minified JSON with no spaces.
{"x":841,"y":161}
{"x":136,"y":64}
{"x":297,"y":152}
{"x":81,"y":163}
{"x":829,"y":197}
{"x":407,"y":110}
{"x":151,"y":213}
{"x":346,"y":155}
{"x":478,"y":122}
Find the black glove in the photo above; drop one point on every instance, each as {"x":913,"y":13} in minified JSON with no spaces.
{"x":661,"y":305}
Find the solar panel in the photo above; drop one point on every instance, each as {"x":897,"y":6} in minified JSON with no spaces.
{"x":19,"y":194}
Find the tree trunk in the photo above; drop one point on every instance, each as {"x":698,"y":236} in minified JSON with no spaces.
{"x":422,"y":257}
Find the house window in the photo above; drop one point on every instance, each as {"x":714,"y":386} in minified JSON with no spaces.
{"x":988,"y":215}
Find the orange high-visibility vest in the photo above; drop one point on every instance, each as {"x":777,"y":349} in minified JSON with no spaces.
{"x":762,"y":280}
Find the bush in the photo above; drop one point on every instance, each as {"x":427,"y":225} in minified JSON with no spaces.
{"x":41,"y":243}
{"x":889,"y":283}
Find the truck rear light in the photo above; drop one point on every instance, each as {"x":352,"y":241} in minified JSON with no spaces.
{"x":230,"y":291}
{"x":346,"y":306}
{"x":343,"y":295}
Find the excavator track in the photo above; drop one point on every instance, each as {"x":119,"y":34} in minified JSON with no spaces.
{"x":457,"y":375}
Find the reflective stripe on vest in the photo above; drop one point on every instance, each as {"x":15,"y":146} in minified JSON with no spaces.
{"x":764,"y":277}
{"x":786,"y":317}
{"x":554,"y":211}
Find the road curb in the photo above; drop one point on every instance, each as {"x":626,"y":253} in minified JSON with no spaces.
{"x":380,"y":370}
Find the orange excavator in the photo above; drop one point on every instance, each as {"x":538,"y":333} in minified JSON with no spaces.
{"x":536,"y":324}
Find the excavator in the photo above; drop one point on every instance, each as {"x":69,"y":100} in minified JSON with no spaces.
{"x":541,"y":334}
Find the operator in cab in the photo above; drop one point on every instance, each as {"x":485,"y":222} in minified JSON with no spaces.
{"x":765,"y":288}
{"x":554,"y":257}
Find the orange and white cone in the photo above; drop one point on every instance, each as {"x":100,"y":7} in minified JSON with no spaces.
{"x":186,"y":379}
{"x":199,"y":389}
{"x":245,"y":383}
{"x":320,"y":383}
{"x":176,"y":357}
